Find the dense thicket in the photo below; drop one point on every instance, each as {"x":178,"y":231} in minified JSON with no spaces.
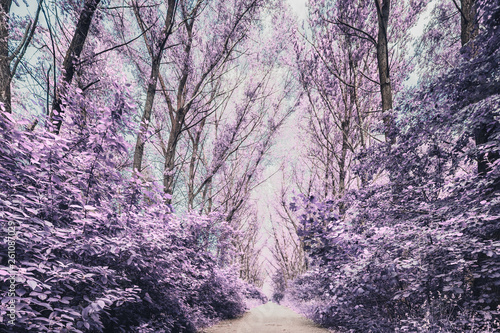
{"x":416,"y":247}
{"x":90,"y":256}
{"x":91,"y":242}
{"x":133,"y":135}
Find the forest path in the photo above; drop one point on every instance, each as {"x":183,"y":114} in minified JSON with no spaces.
{"x":267,"y":318}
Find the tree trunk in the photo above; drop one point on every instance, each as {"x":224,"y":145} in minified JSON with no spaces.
{"x":207,"y":197}
{"x":169,"y":166}
{"x":383,"y":11}
{"x":328,"y":171}
{"x":469,"y":30}
{"x":74,"y":51}
{"x":153,"y":79}
{"x":469,"y":27}
{"x":342,"y":162}
{"x":359,"y":116}
{"x":180,"y":114}
{"x":146,"y":116}
{"x":5,"y":75}
{"x":482,"y":134}
{"x":195,"y":140}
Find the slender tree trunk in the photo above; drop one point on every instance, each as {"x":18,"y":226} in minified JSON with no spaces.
{"x":195,"y":140}
{"x":169,"y":166}
{"x":469,"y":30}
{"x":180,"y":115}
{"x":327,"y":169}
{"x":207,"y":197}
{"x":146,"y":116}
{"x":359,"y":116}
{"x":5,"y":75}
{"x":153,"y":79}
{"x":342,"y":161}
{"x":383,"y":12}
{"x":74,"y":51}
{"x":482,"y":135}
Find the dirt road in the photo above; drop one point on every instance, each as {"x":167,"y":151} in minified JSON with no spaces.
{"x":267,"y":318}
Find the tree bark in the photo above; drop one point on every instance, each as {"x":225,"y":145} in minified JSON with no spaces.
{"x":5,"y":75}
{"x":383,"y":12}
{"x":469,"y":27}
{"x":74,"y":51}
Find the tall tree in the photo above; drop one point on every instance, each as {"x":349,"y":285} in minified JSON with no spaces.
{"x":355,"y":24}
{"x":156,"y":49}
{"x":69,"y":64}
{"x":5,"y":75}
{"x":383,"y":13}
{"x":487,"y":125}
{"x":9,"y":61}
{"x":200,"y":62}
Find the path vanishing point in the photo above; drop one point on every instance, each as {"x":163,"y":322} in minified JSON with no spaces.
{"x":267,"y":318}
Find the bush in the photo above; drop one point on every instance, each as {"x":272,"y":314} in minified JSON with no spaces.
{"x":90,"y":254}
{"x":418,"y":251}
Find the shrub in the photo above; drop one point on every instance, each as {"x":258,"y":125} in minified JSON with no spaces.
{"x":90,"y":255}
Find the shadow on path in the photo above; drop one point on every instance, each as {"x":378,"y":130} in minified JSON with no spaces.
{"x":267,"y":318}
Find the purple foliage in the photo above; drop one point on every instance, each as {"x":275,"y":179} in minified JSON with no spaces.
{"x":420,"y":251}
{"x":96,"y":251}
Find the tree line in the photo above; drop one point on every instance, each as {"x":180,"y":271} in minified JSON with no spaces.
{"x":391,"y":215}
{"x":133,"y":133}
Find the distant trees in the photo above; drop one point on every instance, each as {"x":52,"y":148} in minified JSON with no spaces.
{"x":437,"y":49}
{"x":288,"y":249}
{"x":335,"y":76}
{"x":11,"y":58}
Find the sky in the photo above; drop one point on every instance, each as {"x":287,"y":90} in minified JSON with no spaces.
{"x":299,"y":7}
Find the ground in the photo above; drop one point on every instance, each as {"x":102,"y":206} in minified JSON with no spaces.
{"x":267,"y":318}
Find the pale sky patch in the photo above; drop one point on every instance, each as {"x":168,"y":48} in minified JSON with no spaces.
{"x":299,"y":8}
